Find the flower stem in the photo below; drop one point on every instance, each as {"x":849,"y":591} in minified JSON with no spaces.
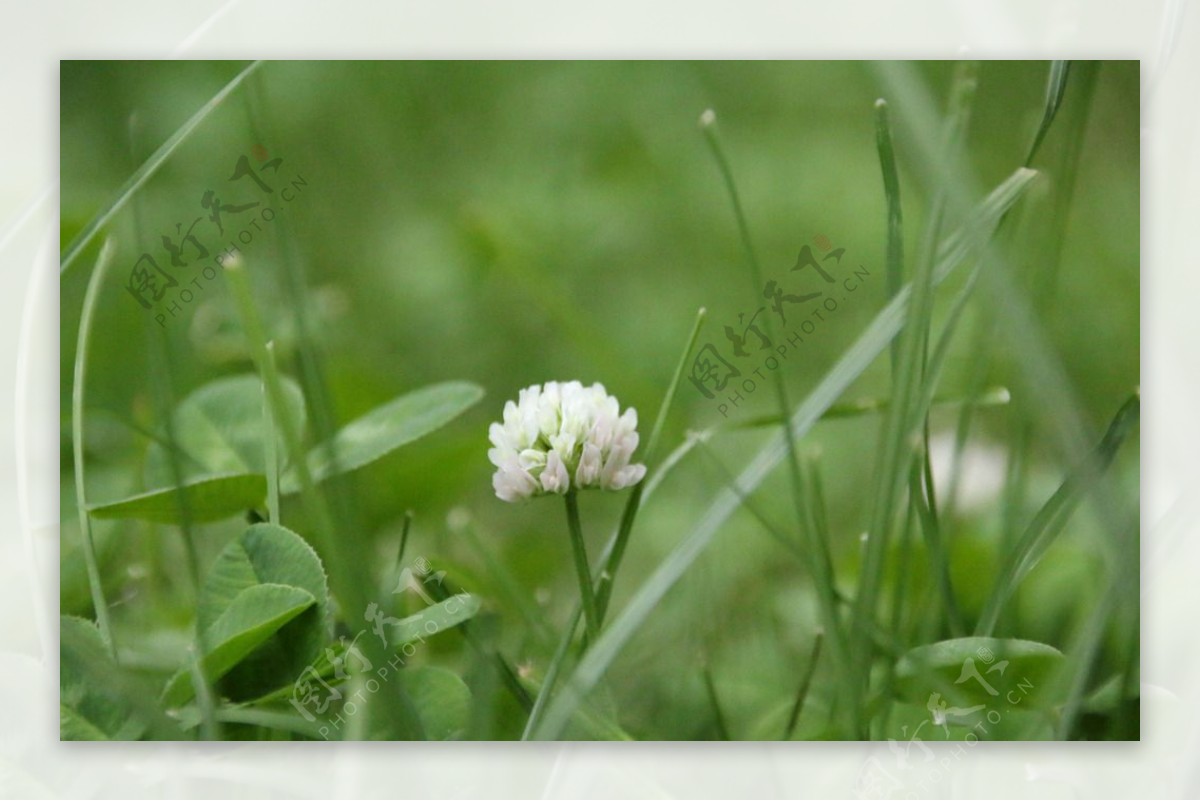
{"x":584,"y":573}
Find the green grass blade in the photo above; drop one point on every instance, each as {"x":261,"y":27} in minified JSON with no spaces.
{"x":901,"y":582}
{"x":1085,"y":650}
{"x":805,"y":683}
{"x":1041,"y":283}
{"x":557,"y":662}
{"x":992,"y":396}
{"x":1050,"y":520}
{"x":939,"y":560}
{"x":149,"y":168}
{"x":921,"y":483}
{"x":708,"y":126}
{"x":895,"y":217}
{"x":403,"y":546}
{"x":210,"y":728}
{"x":730,"y":481}
{"x":903,"y":424}
{"x":591,"y":724}
{"x":1042,"y":371}
{"x":669,"y":398}
{"x":270,"y":446}
{"x":714,"y":701}
{"x":895,"y":244}
{"x":79,"y":383}
{"x":1056,"y":87}
{"x":817,"y":552}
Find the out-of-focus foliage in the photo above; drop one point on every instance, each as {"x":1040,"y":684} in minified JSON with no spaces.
{"x":513,"y":223}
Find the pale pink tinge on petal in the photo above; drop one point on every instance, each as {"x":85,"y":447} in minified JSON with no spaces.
{"x":554,"y":476}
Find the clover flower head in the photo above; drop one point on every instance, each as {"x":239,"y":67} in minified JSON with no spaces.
{"x":563,"y":435}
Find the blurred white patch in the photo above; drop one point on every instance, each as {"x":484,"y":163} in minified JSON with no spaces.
{"x":981,"y":471}
{"x":458,"y":518}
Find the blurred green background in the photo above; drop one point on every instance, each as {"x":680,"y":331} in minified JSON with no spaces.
{"x":513,"y":223}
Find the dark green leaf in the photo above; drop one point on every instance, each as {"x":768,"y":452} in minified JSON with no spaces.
{"x":207,"y":499}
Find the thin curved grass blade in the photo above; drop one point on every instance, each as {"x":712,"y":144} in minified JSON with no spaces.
{"x":148,"y":168}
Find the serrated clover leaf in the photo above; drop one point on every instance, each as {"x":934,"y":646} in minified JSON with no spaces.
{"x":262,"y":615}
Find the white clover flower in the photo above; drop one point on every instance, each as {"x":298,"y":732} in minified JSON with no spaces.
{"x":559,"y":436}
